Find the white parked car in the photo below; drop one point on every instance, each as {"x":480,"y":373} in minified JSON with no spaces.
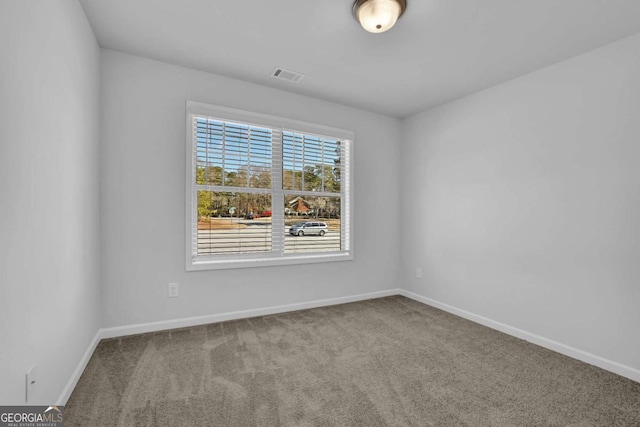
{"x":309,"y":228}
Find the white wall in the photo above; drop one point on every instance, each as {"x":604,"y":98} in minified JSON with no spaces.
{"x":143,"y":173}
{"x":49,"y":218}
{"x":527,"y":203}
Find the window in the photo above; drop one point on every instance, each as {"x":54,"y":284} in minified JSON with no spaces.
{"x":263,"y":190}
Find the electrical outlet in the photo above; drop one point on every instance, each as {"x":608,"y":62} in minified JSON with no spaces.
{"x":174,"y":291}
{"x":30,"y":383}
{"x":418,"y":273}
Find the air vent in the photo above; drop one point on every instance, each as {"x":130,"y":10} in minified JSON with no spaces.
{"x":290,"y":76}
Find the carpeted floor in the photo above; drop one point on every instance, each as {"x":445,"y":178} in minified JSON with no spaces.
{"x":384,"y":362}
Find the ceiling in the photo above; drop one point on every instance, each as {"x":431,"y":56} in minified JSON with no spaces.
{"x":438,"y":51}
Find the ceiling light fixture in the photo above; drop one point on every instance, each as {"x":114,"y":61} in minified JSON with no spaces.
{"x":378,"y":16}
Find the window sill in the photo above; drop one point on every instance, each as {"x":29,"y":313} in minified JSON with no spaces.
{"x":201,"y":265}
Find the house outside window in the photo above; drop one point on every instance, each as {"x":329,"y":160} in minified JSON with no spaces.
{"x":265,"y":190}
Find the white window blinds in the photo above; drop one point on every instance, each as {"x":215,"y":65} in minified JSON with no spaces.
{"x":262,"y":193}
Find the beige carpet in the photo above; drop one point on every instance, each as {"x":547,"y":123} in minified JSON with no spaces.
{"x":385,"y":362}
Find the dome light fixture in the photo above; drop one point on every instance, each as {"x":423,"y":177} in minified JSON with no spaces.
{"x":378,"y":16}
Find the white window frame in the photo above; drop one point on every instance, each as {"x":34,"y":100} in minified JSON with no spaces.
{"x":215,"y":262}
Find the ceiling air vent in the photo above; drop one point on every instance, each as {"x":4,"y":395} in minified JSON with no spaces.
{"x":290,"y":76}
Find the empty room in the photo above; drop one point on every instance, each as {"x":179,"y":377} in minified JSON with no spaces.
{"x":319,"y":213}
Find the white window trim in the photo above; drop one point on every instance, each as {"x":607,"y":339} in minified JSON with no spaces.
{"x":216,"y":262}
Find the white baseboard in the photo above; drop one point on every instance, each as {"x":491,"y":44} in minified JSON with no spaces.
{"x":77,"y":373}
{"x":120,"y":331}
{"x":592,"y":359}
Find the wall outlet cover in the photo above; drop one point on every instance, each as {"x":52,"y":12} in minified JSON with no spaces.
{"x":30,"y":383}
{"x":174,"y":290}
